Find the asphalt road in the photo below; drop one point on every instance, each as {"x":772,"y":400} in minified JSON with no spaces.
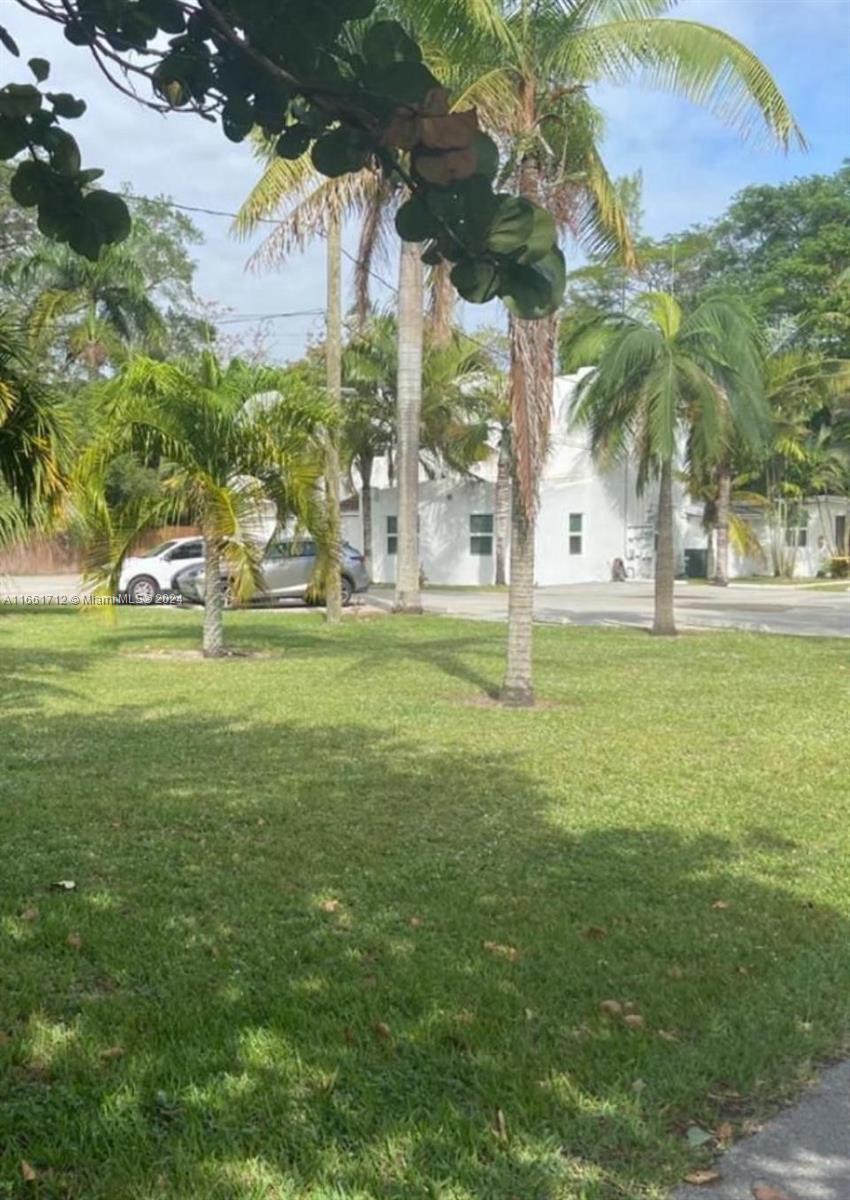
{"x":763,"y":608}
{"x":755,"y":607}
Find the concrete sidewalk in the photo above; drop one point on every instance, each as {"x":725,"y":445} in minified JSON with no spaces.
{"x":804,"y":1153}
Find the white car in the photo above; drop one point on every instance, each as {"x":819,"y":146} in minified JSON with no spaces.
{"x":145,"y":576}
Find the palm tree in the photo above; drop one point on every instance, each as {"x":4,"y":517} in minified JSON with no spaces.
{"x":229,"y":443}
{"x":33,"y":437}
{"x":103,"y":307}
{"x":665,"y":379}
{"x":808,"y":394}
{"x":534,"y":61}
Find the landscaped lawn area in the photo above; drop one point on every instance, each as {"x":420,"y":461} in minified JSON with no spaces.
{"x":341,"y":930}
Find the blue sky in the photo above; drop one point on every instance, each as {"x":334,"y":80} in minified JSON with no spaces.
{"x":692,"y":165}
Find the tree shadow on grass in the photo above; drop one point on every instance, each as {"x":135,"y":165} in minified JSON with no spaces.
{"x":315,"y":965}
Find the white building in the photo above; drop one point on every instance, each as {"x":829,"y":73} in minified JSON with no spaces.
{"x":586,"y":519}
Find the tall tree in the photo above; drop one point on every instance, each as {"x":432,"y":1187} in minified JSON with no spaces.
{"x":785,"y":249}
{"x":333,"y":364}
{"x":33,"y":437}
{"x":536,"y":59}
{"x":229,"y":441}
{"x":665,"y":380}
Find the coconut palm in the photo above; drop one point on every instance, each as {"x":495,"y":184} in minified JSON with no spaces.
{"x":666,"y":381}
{"x":104,"y":308}
{"x":229,"y":442}
{"x":33,"y":437}
{"x":535,"y":60}
{"x":809,"y":396}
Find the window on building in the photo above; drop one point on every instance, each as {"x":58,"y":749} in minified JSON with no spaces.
{"x":576,"y":533}
{"x":796,"y":533}
{"x":841,"y":533}
{"x":392,"y":535}
{"x":481,"y":534}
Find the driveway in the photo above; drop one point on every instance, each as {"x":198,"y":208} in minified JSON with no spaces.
{"x":760,"y":608}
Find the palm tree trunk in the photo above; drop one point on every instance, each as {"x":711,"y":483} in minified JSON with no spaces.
{"x":409,"y":393}
{"x":213,"y":642}
{"x":503,"y":505}
{"x":724,"y":500}
{"x":365,"y":468}
{"x":518,"y":687}
{"x":442,"y":307}
{"x":333,"y":357}
{"x":665,"y":622}
{"x":532,"y":381}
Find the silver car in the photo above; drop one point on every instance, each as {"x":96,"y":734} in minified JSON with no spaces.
{"x":287,"y":570}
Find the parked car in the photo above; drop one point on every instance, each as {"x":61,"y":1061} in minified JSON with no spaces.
{"x":287,"y":570}
{"x":144,"y":576}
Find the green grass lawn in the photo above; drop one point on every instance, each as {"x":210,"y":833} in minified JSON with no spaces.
{"x":341,"y":930}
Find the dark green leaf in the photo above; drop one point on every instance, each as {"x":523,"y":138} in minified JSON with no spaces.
{"x":14,"y":134}
{"x":40,"y":67}
{"x":19,"y":100}
{"x":340,"y":151}
{"x":9,"y":42}
{"x":109,"y":213}
{"x":237,"y":119}
{"x":512,"y":224}
{"x":535,"y":291}
{"x":476,"y":280}
{"x":414,"y":222}
{"x":387,"y":42}
{"x":407,"y":82}
{"x":79,"y":33}
{"x":66,"y":106}
{"x":293,"y":142}
{"x":64,"y":151}
{"x":167,"y":14}
{"x":29,"y":182}
{"x":89,"y":176}
{"x":488,"y":155}
{"x":543,"y":237}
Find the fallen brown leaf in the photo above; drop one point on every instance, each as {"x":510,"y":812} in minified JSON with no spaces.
{"x":634,"y":1021}
{"x":111,"y":1053}
{"x":27,"y":1172}
{"x":760,"y":1192}
{"x":416,"y":922}
{"x":725,"y":1132}
{"x":382,"y":1030}
{"x":594,"y":933}
{"x":611,"y":1008}
{"x":74,"y":941}
{"x":329,"y":906}
{"x":716,"y":904}
{"x":501,"y":1126}
{"x":702,"y":1177}
{"x":29,"y":914}
{"x":667,"y":1035}
{"x":509,"y":952}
